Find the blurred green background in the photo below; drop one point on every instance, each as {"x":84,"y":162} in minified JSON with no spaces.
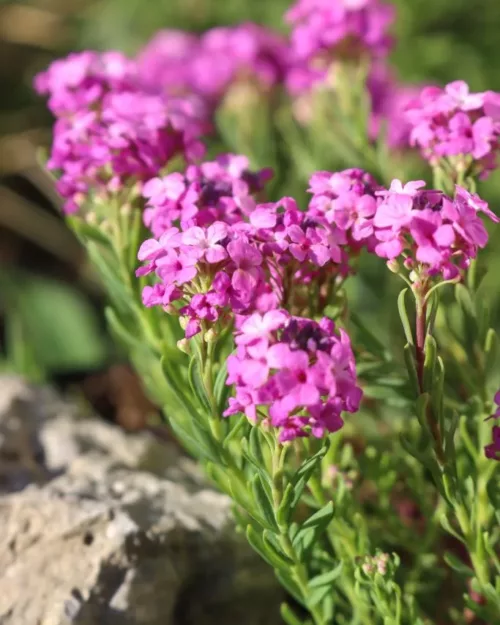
{"x":436,"y":41}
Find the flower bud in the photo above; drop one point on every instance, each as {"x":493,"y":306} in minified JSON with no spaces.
{"x":183,"y":346}
{"x":210,"y":336}
{"x":393,"y":265}
{"x":183,"y":322}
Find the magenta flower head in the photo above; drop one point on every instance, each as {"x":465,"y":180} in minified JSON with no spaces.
{"x":296,"y":374}
{"x":339,"y":29}
{"x":111,"y":134}
{"x":164,"y":63}
{"x":457,"y":126}
{"x":348,"y":199}
{"x":210,"y":273}
{"x":435,"y":234}
{"x":224,"y":189}
{"x":207,"y":66}
{"x":389,"y":102}
{"x":492,"y":451}
{"x":246,"y":52}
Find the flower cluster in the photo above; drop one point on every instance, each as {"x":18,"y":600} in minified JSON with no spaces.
{"x":427,"y":227}
{"x":389,"y":101}
{"x":348,"y":199}
{"x":456,"y":125}
{"x":297,"y":374}
{"x":344,"y":28}
{"x":230,"y":256}
{"x":110,"y":132}
{"x":210,"y":273}
{"x":492,"y":450}
{"x":219,"y":190}
{"x":208,"y":65}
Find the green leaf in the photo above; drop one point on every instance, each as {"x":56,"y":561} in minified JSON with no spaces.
{"x":491,"y":350}
{"x":255,"y":442}
{"x":304,"y":541}
{"x":115,"y":287}
{"x":404,"y":316}
{"x":320,"y":519}
{"x":288,"y":615}
{"x":311,"y":463}
{"x":221,"y":389}
{"x":267,"y":551}
{"x":285,"y":510}
{"x":326,"y":579}
{"x":463,"y":297}
{"x":176,"y":384}
{"x":290,"y":585}
{"x":85,"y":231}
{"x":130,"y":340}
{"x":430,"y":351}
{"x":457,"y":565}
{"x":187,"y":439}
{"x":239,"y":428}
{"x":197,"y":386}
{"x":205,"y":439}
{"x":264,"y":503}
{"x":278,"y":555}
{"x":317,"y":596}
{"x":369,"y":340}
{"x":421,"y":410}
{"x":409,"y":356}
{"x":445,"y":524}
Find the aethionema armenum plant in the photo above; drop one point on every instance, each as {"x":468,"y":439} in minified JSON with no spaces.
{"x":362,"y":465}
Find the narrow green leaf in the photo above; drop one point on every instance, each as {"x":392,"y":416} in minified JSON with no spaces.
{"x":445,"y":524}
{"x":255,"y":443}
{"x":317,"y":596}
{"x":197,"y":386}
{"x":457,"y":565}
{"x":369,"y":340}
{"x":86,"y":231}
{"x":221,"y":389}
{"x":278,"y":554}
{"x":176,"y":386}
{"x":409,"y":355}
{"x":404,"y":316}
{"x":264,"y":503}
{"x":288,"y":615}
{"x":304,"y":541}
{"x":238,"y":428}
{"x":321,"y":518}
{"x":326,"y":579}
{"x":307,"y":467}
{"x":289,"y":584}
{"x":430,"y":351}
{"x":267,"y":551}
{"x":130,"y":340}
{"x":437,"y":394}
{"x":463,"y":297}
{"x":285,"y":510}
{"x":491,"y":350}
{"x":193,"y":446}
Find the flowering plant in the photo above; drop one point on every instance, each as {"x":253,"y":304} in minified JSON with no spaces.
{"x":244,"y":297}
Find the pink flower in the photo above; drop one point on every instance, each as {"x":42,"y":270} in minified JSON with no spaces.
{"x":440,"y":233}
{"x":492,"y":451}
{"x":247,"y":260}
{"x":206,"y":244}
{"x":454,"y":123}
{"x":301,"y":372}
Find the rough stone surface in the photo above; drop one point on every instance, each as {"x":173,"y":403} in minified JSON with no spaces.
{"x":103,"y":527}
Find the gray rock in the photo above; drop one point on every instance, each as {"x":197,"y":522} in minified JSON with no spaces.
{"x":118,"y":529}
